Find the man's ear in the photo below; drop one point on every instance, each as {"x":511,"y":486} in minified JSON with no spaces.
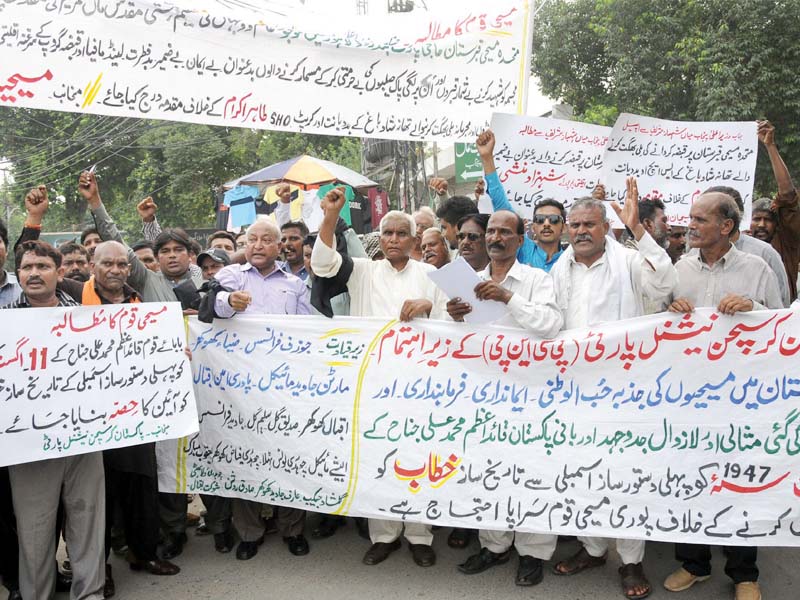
{"x":606,"y":227}
{"x":60,"y":272}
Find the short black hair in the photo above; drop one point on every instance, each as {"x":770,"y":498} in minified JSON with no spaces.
{"x":174,"y":234}
{"x":142,"y":244}
{"x":648,"y":208}
{"x":195,"y":247}
{"x":310,"y":240}
{"x":86,"y":233}
{"x":222,"y":235}
{"x":480,"y":219}
{"x":555,"y":204}
{"x":4,"y":233}
{"x":299,"y":225}
{"x":732,"y":192}
{"x":39,"y":248}
{"x":454,"y":209}
{"x":72,"y":247}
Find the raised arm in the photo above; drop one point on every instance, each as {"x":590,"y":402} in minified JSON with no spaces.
{"x":36,"y":205}
{"x":325,"y":260}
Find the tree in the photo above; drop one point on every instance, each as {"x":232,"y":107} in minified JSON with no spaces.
{"x":695,"y":60}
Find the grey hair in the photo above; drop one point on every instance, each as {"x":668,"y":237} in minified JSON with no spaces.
{"x":589,"y":202}
{"x":264,"y":220}
{"x":727,"y":209}
{"x":426,"y":211}
{"x":763,"y":205}
{"x":439,"y":231}
{"x":398,"y":214}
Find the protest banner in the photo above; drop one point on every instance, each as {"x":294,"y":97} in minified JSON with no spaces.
{"x":418,"y":76}
{"x":539,"y":158}
{"x":675,"y":161}
{"x":662,"y":427}
{"x":83,"y":379}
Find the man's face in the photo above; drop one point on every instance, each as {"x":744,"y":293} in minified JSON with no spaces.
{"x":548,"y":224}
{"x":658,"y":228}
{"x":224,"y":244}
{"x":111,"y":268}
{"x":396,"y":239}
{"x":38,"y":276}
{"x":502,"y":239}
{"x":587,"y":232}
{"x":210,"y":267}
{"x":762,"y":225}
{"x":706,"y":228}
{"x":450,"y":234}
{"x":148,"y":259}
{"x":174,"y":259}
{"x":307,"y":258}
{"x":91,"y":241}
{"x":3,"y":253}
{"x":423,"y":222}
{"x":241,"y":241}
{"x":434,"y":249}
{"x":292,"y":245}
{"x":263,"y":247}
{"x":677,"y":240}
{"x":472,"y":244}
{"x":76,"y":266}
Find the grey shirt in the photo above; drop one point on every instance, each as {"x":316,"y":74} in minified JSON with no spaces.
{"x":9,"y":289}
{"x":751,"y":245}
{"x":735,"y":273}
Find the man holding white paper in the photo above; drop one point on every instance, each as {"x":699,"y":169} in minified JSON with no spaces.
{"x":531,"y":302}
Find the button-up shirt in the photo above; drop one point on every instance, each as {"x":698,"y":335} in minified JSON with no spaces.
{"x":533,"y":304}
{"x":277,"y":292}
{"x":9,"y":290}
{"x":737,"y":273}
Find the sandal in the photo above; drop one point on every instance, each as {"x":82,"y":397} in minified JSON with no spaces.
{"x":459,"y":538}
{"x":578,"y":562}
{"x":632,"y":577}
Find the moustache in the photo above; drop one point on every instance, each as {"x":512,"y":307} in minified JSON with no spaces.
{"x":35,"y":280}
{"x":584,"y":237}
{"x":496,"y":245}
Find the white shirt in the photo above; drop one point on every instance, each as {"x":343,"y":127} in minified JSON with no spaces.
{"x":533,"y":305}
{"x":376,"y":288}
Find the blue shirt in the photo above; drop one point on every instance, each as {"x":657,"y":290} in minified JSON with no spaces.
{"x":529,"y":253}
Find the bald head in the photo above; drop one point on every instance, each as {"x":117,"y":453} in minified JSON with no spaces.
{"x":111,"y":267}
{"x":111,"y":249}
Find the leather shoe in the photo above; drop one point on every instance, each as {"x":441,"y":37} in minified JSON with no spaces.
{"x":379,"y":552}
{"x":327,"y":526}
{"x":156,"y":567}
{"x":530,"y":571}
{"x":109,"y":588}
{"x":298,"y":544}
{"x":423,"y":555}
{"x":14,"y":595}
{"x":485,"y":559}
{"x":223,"y":542}
{"x":247,"y":550}
{"x":174,"y":546}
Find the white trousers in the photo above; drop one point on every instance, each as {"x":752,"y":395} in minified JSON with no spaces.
{"x":630,"y":551}
{"x":388,"y":531}
{"x":537,"y":545}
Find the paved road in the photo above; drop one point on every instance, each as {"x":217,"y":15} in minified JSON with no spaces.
{"x":333,"y":571}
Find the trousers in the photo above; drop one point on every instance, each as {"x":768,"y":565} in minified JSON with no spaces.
{"x":740,"y":565}
{"x":386,"y":531}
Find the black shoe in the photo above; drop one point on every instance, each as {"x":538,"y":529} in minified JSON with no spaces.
{"x":14,"y":595}
{"x":202,"y":530}
{"x":530,"y":571}
{"x":63,"y":582}
{"x":109,"y":588}
{"x":298,"y":544}
{"x":485,"y":559}
{"x":379,"y":552}
{"x":362,"y":525}
{"x":247,"y":550}
{"x":155,"y":567}
{"x":423,"y":555}
{"x":174,"y":546}
{"x":223,"y":542}
{"x":327,"y":526}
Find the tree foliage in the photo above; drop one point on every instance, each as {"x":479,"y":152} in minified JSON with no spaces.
{"x":694,"y":60}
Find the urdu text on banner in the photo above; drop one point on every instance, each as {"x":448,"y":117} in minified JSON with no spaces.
{"x":83,"y":379}
{"x":666,"y":427}
{"x":417,"y":76}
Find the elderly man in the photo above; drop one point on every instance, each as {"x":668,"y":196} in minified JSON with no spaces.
{"x":597,"y":280}
{"x":261,"y":287}
{"x":531,"y":301}
{"x":396,"y":287}
{"x":434,"y":248}
{"x":77,"y":481}
{"x":549,"y":215}
{"x":719,"y":275}
{"x":425,"y":218}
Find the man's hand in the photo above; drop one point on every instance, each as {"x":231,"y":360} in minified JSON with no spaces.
{"x":239,"y":301}
{"x":438,"y":185}
{"x":147,"y":209}
{"x":489,"y":290}
{"x":333,"y":201}
{"x":485,"y":144}
{"x":87,"y":186}
{"x":415,"y":308}
{"x":599,"y":192}
{"x":766,"y":133}
{"x":629,"y":214}
{"x":36,"y":203}
{"x":457,"y":309}
{"x":284,"y":193}
{"x":681,"y":305}
{"x":732,"y":303}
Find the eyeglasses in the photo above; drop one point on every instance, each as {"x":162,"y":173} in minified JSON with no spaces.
{"x":552,"y":219}
{"x":472,"y":237}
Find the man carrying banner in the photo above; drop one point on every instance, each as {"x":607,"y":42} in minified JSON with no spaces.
{"x":260,"y":286}
{"x":722,"y":276}
{"x":37,"y":486}
{"x":531,"y":301}
{"x":598,"y":280}
{"x":396,"y":287}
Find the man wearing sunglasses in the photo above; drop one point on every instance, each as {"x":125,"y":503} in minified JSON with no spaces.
{"x":549,"y":215}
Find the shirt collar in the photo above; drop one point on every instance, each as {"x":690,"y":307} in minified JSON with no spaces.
{"x":10,"y":280}
{"x":725,"y":261}
{"x":515,"y":272}
{"x":276,"y":270}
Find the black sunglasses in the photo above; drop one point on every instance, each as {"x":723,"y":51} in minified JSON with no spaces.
{"x":552,"y":219}
{"x":472,"y":237}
